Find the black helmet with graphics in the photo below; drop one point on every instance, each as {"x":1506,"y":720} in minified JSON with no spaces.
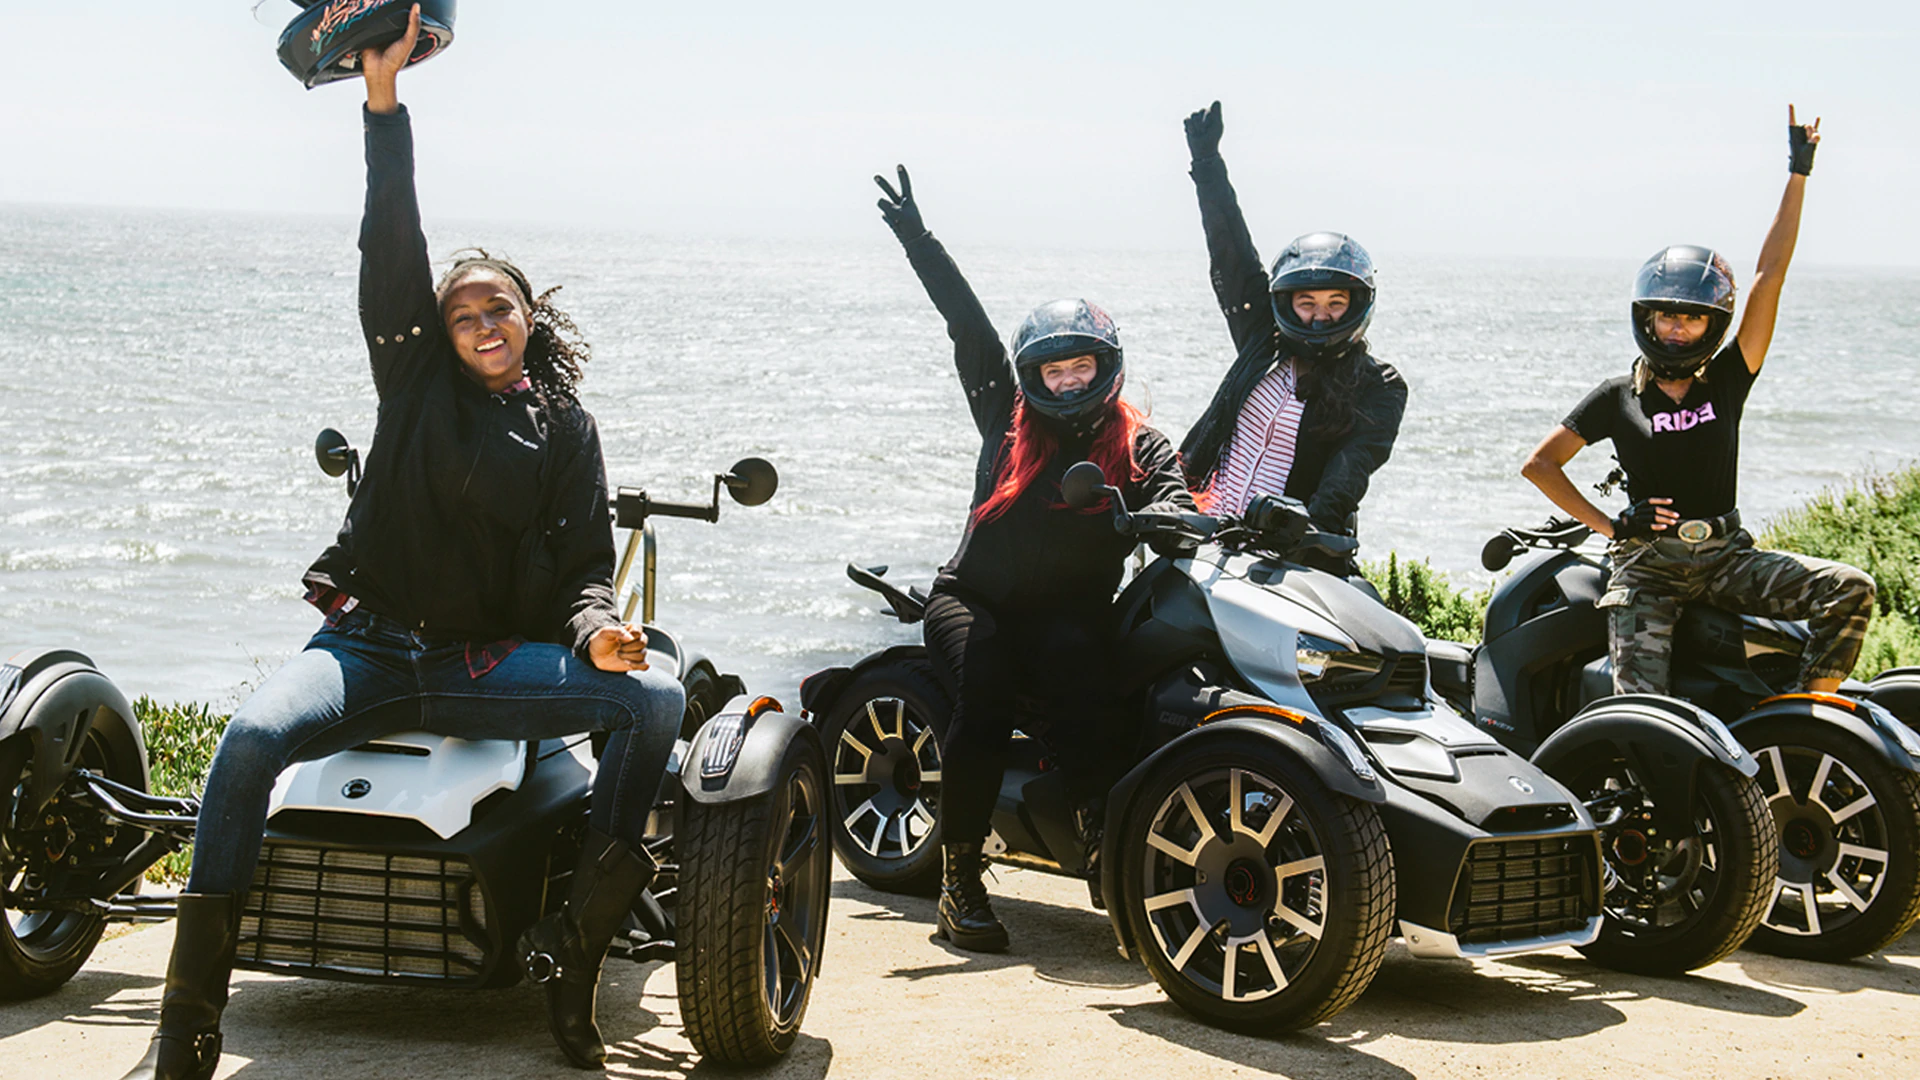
{"x":1323,"y":260}
{"x":322,"y":44}
{"x":1062,"y":330}
{"x":1683,"y":279}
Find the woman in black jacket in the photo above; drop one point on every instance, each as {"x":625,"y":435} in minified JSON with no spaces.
{"x":1026,"y":603}
{"x":470,"y":593}
{"x":1305,"y":411}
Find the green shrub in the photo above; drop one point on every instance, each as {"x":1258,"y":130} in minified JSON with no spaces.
{"x":1426,"y":598}
{"x":180,"y":743}
{"x":1876,"y":527}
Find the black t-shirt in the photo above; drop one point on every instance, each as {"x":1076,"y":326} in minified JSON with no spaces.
{"x":1687,"y":451}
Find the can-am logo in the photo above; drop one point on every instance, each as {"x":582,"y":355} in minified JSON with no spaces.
{"x":1520,"y":785}
{"x":357,"y":788}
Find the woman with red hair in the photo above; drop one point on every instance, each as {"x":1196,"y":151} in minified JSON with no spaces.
{"x":1026,"y":603}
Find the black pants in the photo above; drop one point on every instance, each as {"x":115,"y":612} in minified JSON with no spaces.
{"x":985,"y":659}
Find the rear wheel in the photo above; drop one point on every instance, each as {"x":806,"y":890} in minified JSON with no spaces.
{"x":39,"y":852}
{"x":1848,"y":824}
{"x":883,"y":742}
{"x":752,"y":912}
{"x":1676,"y":903}
{"x":1260,"y":900}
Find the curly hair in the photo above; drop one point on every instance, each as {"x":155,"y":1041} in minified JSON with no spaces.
{"x":555,"y":347}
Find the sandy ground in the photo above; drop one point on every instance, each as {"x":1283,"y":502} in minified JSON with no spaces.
{"x":1061,"y":1004}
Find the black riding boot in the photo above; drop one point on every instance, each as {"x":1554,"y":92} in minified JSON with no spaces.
{"x":564,"y":950}
{"x":187,"y":1046}
{"x":965,"y":917}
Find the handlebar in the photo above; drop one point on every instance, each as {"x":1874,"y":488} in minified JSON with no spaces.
{"x":1561,"y":533}
{"x":1272,"y":523}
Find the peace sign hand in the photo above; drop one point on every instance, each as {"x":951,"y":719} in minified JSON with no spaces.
{"x":901,"y":212}
{"x":1802,"y":140}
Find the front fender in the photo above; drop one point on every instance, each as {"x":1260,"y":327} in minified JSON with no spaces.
{"x":1294,"y":738}
{"x":1666,"y":741}
{"x":736,"y":755}
{"x":820,"y":690}
{"x":59,"y":699}
{"x":1866,"y":721}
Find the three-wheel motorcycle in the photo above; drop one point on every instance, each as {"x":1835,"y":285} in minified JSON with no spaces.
{"x":1840,"y":773}
{"x":1299,"y":791}
{"x":420,"y":859}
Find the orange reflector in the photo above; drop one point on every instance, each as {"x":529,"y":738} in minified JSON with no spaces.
{"x":1276,"y":711}
{"x":1843,"y":702}
{"x":763,"y":704}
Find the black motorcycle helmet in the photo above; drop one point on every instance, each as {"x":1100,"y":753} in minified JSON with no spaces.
{"x":1058,"y":331}
{"x":322,"y":44}
{"x":1323,"y":260}
{"x":1682,"y":278}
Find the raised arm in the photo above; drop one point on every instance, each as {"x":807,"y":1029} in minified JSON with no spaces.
{"x":978,"y":353}
{"x":397,"y":310}
{"x":1239,"y":281}
{"x":1763,"y":298}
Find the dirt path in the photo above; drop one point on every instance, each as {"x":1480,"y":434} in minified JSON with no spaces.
{"x":1061,"y":1005}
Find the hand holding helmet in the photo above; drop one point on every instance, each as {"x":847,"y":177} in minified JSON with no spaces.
{"x":331,"y":40}
{"x":1204,"y":128}
{"x":1643,"y":519}
{"x":380,"y":65}
{"x":901,"y":212}
{"x":1802,"y":140}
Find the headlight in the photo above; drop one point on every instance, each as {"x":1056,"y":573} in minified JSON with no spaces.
{"x":1323,"y":661}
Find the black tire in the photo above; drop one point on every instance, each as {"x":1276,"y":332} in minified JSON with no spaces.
{"x":883,"y":736}
{"x":704,"y":699}
{"x":40,"y":951}
{"x":1676,"y":903}
{"x":1319,"y":932}
{"x":752,"y":912}
{"x":1863,"y":829}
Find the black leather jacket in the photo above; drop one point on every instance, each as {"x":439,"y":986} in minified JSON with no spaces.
{"x":1329,"y":475}
{"x":481,"y":516}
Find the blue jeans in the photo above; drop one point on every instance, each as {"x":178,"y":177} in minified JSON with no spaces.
{"x":368,"y":676}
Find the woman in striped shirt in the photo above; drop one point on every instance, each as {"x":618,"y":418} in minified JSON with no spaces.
{"x":1304,"y":411}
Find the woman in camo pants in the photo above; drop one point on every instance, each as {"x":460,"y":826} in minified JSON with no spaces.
{"x":1675,"y":425}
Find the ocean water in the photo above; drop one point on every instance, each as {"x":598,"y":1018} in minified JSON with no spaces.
{"x":167,"y":371}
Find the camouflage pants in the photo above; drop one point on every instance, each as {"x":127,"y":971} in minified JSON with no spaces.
{"x":1653,"y":578}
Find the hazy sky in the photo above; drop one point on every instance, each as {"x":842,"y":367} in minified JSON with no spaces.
{"x":1603,"y":129}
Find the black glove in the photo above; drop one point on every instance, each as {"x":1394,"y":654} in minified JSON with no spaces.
{"x":901,"y":212}
{"x":1636,"y":521}
{"x":1204,"y":129}
{"x":1800,"y":150}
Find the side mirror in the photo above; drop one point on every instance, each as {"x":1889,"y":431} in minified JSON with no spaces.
{"x":752,"y":481}
{"x":333,"y":452}
{"x":1499,"y":551}
{"x":1080,"y":487}
{"x":336,"y":456}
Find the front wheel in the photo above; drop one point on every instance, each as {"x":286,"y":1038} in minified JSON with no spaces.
{"x":752,"y":911}
{"x":1260,"y":900}
{"x":1676,"y":903}
{"x":883,"y":737}
{"x":1848,"y":824}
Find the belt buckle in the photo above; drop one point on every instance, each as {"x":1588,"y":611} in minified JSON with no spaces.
{"x":1695,"y":531}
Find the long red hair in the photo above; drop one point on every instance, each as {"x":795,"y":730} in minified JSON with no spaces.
{"x":1030,"y":446}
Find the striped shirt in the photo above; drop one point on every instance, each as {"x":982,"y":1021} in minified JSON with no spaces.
{"x":1261,"y":453}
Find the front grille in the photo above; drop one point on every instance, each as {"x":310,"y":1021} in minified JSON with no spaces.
{"x":1511,"y":890}
{"x":364,"y":914}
